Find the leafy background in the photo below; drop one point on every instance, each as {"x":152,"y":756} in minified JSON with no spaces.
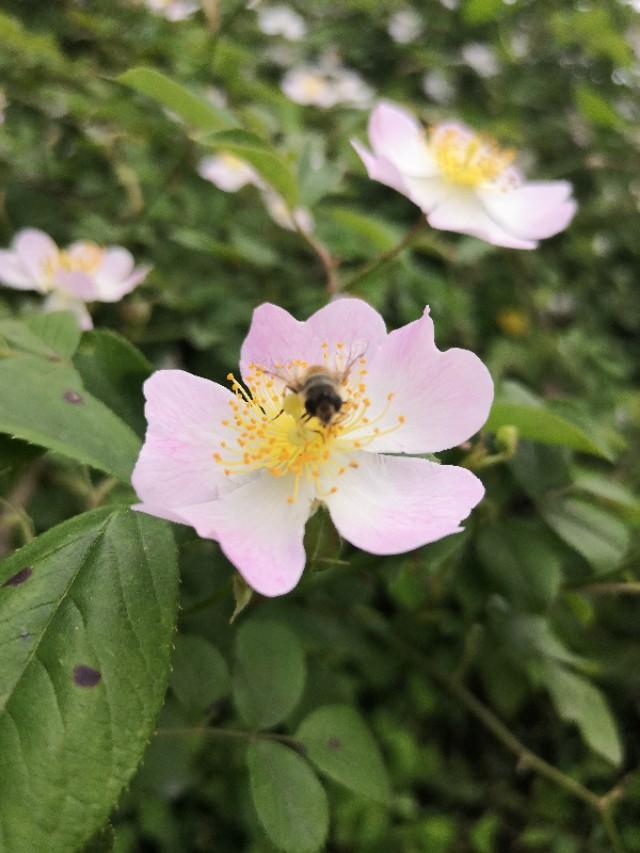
{"x":379,"y":685}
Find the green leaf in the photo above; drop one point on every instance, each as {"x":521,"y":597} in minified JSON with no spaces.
{"x":596,"y":533}
{"x":290,"y":801}
{"x":581,"y":702}
{"x":529,"y":635}
{"x":58,"y":329}
{"x":540,"y":424}
{"x":520,"y":559}
{"x":113,"y":370}
{"x":611,"y":492}
{"x":200,"y":675}
{"x":264,"y":159}
{"x":371,"y":232}
{"x":482,"y":11}
{"x":43,"y":401}
{"x":87,"y":612}
{"x":270,"y":672}
{"x":196,"y":112}
{"x":595,"y":108}
{"x":339,"y":743}
{"x":102,"y":842}
{"x":19,"y":337}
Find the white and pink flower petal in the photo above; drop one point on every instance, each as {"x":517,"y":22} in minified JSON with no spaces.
{"x":464,"y":212}
{"x":351,"y":324}
{"x":36,"y":250}
{"x":395,"y":135}
{"x":389,"y":505}
{"x":423,"y":400}
{"x":379,"y":168}
{"x":58,"y":300}
{"x":13,"y":272}
{"x":533,"y":211}
{"x":176,"y":467}
{"x":259,"y":530}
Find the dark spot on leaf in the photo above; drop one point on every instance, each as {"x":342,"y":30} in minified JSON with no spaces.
{"x":53,"y":357}
{"x":19,"y":577}
{"x":86,"y":676}
{"x":25,"y":635}
{"x":72,"y":397}
{"x":334,"y":743}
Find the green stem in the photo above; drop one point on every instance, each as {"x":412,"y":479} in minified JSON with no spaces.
{"x":386,"y":257}
{"x":600,"y":804}
{"x":628,"y":588}
{"x":329,"y":263}
{"x":215,"y":731}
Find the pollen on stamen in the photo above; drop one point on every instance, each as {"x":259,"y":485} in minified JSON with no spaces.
{"x":401,"y":419}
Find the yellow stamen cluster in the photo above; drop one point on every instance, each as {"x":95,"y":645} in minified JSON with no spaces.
{"x":470,"y":159}
{"x":313,"y":85}
{"x":87,"y":260}
{"x":269,"y":428}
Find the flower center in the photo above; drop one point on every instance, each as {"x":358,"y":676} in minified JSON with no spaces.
{"x":85,"y":257}
{"x":233,"y":163}
{"x":470,"y":159}
{"x":313,"y":85}
{"x":270,"y":428}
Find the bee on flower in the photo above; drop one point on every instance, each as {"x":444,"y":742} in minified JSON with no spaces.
{"x":463,"y":181}
{"x":83,"y":272}
{"x":320,"y":415}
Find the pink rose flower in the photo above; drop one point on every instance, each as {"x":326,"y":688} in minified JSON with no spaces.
{"x":248,"y":466}
{"x":463,"y":181}
{"x":83,"y":272}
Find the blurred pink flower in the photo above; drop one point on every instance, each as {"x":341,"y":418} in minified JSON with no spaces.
{"x":83,"y":272}
{"x":248,"y":466}
{"x":463,"y":181}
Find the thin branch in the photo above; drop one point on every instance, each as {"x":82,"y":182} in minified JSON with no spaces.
{"x":386,"y":257}
{"x":215,"y":731}
{"x":622,"y":588}
{"x":602,"y":805}
{"x":329,"y":263}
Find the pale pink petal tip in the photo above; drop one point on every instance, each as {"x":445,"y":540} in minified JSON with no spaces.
{"x":389,"y":505}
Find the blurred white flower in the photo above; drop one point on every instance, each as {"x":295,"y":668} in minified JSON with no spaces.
{"x":281,"y":21}
{"x":481,"y":58}
{"x":520,"y":44}
{"x":174,"y":10}
{"x":405,"y":26}
{"x":325,"y":86}
{"x":309,"y":85}
{"x":352,"y":89}
{"x":215,"y":96}
{"x":437,"y":86}
{"x":277,"y":208}
{"x":228,"y":172}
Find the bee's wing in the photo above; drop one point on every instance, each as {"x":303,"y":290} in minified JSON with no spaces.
{"x":357,"y":350}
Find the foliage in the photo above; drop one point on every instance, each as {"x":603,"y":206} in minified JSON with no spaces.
{"x":474,"y":696}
